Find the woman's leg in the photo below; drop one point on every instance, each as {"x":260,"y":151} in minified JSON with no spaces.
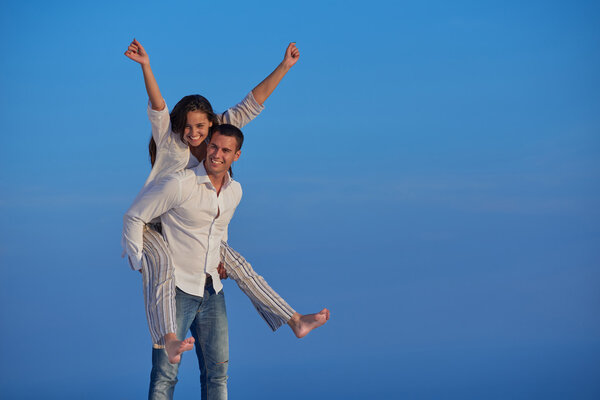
{"x":271,"y":307}
{"x":159,"y":296}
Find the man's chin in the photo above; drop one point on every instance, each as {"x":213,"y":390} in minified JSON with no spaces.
{"x":214,"y":171}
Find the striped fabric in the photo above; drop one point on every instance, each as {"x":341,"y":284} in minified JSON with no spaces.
{"x":159,"y":287}
{"x":271,"y":307}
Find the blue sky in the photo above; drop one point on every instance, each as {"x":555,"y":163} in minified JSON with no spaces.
{"x":428,"y":170}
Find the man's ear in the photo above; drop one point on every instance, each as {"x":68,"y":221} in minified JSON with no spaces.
{"x":237,"y":155}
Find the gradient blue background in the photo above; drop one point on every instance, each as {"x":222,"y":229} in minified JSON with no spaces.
{"x":429,"y":170}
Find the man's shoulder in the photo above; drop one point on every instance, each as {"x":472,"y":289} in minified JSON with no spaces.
{"x":236,"y":187}
{"x":185,"y":173}
{"x":179,"y":177}
{"x":234,"y":191}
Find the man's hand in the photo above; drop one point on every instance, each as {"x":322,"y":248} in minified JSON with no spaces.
{"x":221,"y":271}
{"x":292,"y":54}
{"x":136,"y":52}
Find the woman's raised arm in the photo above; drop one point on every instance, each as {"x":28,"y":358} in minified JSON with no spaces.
{"x":252,"y":105}
{"x":264,"y":89}
{"x":136,"y":52}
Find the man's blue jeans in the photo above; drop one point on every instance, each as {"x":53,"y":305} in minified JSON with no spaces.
{"x":206,"y":318}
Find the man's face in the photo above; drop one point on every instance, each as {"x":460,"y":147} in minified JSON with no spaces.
{"x":196,"y":128}
{"x":221,"y":153}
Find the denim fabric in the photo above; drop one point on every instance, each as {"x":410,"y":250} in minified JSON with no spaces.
{"x":206,"y":318}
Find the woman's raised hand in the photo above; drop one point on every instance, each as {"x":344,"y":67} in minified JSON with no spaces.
{"x":292,"y":54}
{"x":136,"y":52}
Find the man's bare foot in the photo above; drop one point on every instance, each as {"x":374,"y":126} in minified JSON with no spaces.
{"x":175,"y":347}
{"x":303,"y":324}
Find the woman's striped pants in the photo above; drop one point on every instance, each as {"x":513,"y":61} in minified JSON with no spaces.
{"x":159,"y":287}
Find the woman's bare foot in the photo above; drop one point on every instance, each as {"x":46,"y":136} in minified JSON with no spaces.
{"x":302,"y":324}
{"x":175,"y":347}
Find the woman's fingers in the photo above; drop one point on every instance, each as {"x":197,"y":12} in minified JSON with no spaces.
{"x":139,"y":46}
{"x":292,"y":54}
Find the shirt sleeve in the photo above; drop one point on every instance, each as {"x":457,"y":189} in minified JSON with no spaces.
{"x":237,"y":198}
{"x":243,"y":112}
{"x":225,"y":233}
{"x":156,"y":200}
{"x":161,"y":124}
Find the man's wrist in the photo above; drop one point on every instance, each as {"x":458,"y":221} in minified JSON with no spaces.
{"x":135,"y":262}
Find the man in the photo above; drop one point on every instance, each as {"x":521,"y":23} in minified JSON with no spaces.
{"x":195,"y":207}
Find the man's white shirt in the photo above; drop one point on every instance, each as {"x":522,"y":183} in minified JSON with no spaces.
{"x":194,"y":221}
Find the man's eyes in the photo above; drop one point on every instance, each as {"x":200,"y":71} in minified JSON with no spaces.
{"x":223,"y":149}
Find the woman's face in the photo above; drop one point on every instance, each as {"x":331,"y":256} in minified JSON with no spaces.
{"x":196,"y":128}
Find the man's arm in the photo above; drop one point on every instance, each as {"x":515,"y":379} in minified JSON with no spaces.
{"x":156,"y":200}
{"x":137,"y":53}
{"x":264,"y":89}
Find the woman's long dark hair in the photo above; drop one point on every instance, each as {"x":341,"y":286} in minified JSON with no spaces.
{"x":193,"y":102}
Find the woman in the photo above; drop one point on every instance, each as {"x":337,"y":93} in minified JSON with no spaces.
{"x":178,"y":141}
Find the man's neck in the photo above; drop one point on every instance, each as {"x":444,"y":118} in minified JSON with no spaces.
{"x":216,"y":179}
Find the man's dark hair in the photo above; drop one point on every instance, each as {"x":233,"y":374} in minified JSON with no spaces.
{"x":231,"y":131}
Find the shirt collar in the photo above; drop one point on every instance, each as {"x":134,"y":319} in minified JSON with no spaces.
{"x":202,"y":176}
